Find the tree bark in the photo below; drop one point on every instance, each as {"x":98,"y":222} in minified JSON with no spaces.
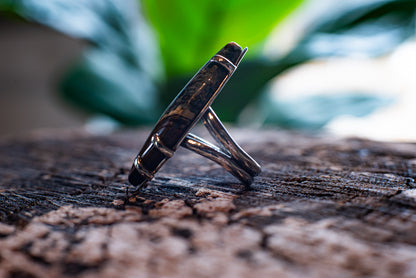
{"x":322,"y":207}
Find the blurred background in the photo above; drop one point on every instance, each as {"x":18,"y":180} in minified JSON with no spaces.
{"x":345,"y":67}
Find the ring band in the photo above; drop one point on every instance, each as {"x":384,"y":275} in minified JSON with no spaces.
{"x":192,"y":104}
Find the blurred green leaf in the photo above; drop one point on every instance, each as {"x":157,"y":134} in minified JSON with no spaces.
{"x":118,"y":75}
{"x":313,"y":112}
{"x":102,"y":82}
{"x":366,"y":28}
{"x":192,"y":31}
{"x":121,"y":73}
{"x":6,"y":6}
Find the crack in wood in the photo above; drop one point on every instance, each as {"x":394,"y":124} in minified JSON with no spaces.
{"x":321,"y":206}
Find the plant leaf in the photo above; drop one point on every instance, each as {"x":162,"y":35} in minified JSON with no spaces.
{"x":118,"y":76}
{"x":103,"y":82}
{"x":191,"y":31}
{"x":313,"y":112}
{"x":367,"y":28}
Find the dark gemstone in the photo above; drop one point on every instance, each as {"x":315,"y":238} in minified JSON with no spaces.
{"x":185,"y":111}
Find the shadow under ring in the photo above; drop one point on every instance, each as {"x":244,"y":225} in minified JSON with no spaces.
{"x":192,"y":104}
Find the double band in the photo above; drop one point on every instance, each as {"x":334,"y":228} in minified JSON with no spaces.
{"x":228,"y":154}
{"x":192,"y":104}
{"x":157,"y":142}
{"x":224,"y":62}
{"x":138,"y":165}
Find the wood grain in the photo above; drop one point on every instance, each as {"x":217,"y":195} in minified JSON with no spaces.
{"x":322,"y":207}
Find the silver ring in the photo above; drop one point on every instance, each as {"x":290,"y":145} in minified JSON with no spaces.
{"x":192,"y":104}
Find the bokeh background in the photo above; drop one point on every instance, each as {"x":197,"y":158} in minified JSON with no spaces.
{"x":345,"y":67}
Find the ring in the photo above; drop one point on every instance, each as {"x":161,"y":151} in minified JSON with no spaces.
{"x":192,"y":104}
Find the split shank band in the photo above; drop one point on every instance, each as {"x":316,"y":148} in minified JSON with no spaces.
{"x":192,"y":104}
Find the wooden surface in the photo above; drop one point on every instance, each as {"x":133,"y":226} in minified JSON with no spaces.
{"x":322,"y":207}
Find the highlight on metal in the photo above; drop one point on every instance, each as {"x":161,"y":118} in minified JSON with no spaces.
{"x":191,"y":105}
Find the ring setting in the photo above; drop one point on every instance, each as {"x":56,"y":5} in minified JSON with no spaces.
{"x":191,"y":105}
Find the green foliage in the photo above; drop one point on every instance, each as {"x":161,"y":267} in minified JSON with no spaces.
{"x":6,"y":5}
{"x":117,"y":75}
{"x":121,"y":74}
{"x":103,"y":82}
{"x":191,"y":31}
{"x":367,"y":28}
{"x":318,"y":110}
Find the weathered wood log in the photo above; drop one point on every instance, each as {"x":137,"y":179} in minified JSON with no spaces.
{"x":322,"y":207}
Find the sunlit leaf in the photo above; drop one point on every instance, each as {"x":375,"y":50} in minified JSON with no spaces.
{"x":191,"y":31}
{"x":121,"y":74}
{"x":367,"y":28}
